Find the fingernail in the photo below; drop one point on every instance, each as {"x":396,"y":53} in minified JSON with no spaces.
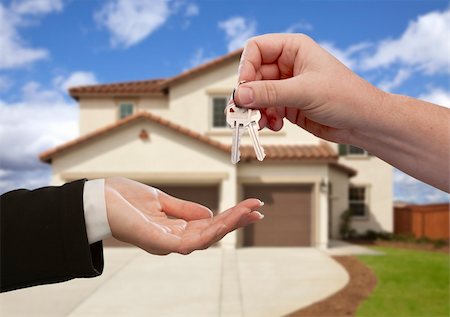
{"x":245,"y":96}
{"x":260,"y":215}
{"x":261,"y":203}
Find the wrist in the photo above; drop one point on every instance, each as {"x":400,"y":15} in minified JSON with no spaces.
{"x":375,"y":122}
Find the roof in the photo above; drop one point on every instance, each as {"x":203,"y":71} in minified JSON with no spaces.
{"x":202,"y":67}
{"x":48,"y":155}
{"x":129,"y":88}
{"x":147,"y":87}
{"x":322,"y":152}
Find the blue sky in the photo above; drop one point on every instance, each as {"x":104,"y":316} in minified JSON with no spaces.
{"x":49,"y":45}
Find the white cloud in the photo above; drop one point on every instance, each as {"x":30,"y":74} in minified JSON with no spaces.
{"x":424,"y":45}
{"x":199,"y":58}
{"x":36,"y":6}
{"x":401,"y":76}
{"x":238,"y":30}
{"x":39,"y":120}
{"x":348,"y":56}
{"x":78,"y":78}
{"x":438,"y":96}
{"x":15,"y":52}
{"x":131,"y":21}
{"x":411,"y":190}
{"x":192,"y":10}
{"x":299,"y":27}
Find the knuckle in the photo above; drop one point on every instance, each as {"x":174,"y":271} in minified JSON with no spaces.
{"x":271,"y":93}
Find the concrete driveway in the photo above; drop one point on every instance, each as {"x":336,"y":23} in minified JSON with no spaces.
{"x":217,"y":282}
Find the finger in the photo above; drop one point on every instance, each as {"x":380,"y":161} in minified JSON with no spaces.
{"x":183,"y":209}
{"x":251,"y":204}
{"x":281,"y":49}
{"x":263,"y":120}
{"x":274,"y":120}
{"x":245,"y":220}
{"x":268,"y":72}
{"x":259,"y":50}
{"x":291,"y":92}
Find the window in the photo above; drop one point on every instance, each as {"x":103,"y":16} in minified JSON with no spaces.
{"x":357,"y":198}
{"x":125,"y":110}
{"x":218,"y":115}
{"x":346,"y":149}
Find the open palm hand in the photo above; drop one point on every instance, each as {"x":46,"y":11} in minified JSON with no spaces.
{"x":161,"y":224}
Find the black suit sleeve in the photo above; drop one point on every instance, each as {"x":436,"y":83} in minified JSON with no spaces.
{"x":43,"y":237}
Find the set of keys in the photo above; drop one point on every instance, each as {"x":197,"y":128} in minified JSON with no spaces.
{"x":241,"y":120}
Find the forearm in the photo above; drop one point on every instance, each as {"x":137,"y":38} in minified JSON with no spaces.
{"x":43,"y":237}
{"x":412,"y":135}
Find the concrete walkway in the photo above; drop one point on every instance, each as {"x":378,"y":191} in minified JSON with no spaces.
{"x":216,"y":282}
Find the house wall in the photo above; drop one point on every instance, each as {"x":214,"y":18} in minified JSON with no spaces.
{"x":95,"y":113}
{"x":338,"y":199}
{"x":163,"y":156}
{"x":376,"y":175}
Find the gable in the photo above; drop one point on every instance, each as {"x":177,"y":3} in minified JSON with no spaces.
{"x":123,"y":151}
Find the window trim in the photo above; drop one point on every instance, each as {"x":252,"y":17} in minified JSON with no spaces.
{"x":366,"y":215}
{"x":211,"y":113}
{"x":119,"y":110}
{"x":365,"y":154}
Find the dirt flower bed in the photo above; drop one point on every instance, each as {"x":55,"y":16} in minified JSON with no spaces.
{"x":346,"y":301}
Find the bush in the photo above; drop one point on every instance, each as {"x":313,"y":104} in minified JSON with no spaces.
{"x":345,"y":230}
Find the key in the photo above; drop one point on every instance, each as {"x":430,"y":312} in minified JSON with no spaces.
{"x":253,"y":129}
{"x":240,"y":120}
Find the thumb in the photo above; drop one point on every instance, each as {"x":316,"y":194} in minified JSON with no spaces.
{"x":271,"y":93}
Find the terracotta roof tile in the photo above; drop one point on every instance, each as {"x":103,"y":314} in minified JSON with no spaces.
{"x":202,"y":67}
{"x":130,"y":88}
{"x":48,"y":155}
{"x":322,"y":152}
{"x":146,"y":87}
{"x":292,"y":152}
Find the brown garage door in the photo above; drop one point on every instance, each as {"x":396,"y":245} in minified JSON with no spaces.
{"x":287,"y":212}
{"x":207,"y":195}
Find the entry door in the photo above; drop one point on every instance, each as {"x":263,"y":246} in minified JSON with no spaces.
{"x":287,"y":212}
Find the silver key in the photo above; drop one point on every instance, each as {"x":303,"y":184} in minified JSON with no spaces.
{"x":241,"y":119}
{"x":253,"y":130}
{"x":238,"y":119}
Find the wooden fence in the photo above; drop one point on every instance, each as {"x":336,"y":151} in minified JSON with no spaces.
{"x":431,"y":221}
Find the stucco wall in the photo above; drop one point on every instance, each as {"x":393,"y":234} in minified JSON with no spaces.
{"x":338,"y":199}
{"x":166,"y":154}
{"x":377,"y":176}
{"x":95,"y":113}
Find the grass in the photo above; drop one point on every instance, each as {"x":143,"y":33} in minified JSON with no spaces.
{"x":411,"y":283}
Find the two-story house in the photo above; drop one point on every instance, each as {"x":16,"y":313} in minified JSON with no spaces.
{"x":171,"y":133}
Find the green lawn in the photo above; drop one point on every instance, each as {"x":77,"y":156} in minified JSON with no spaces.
{"x":410,"y":284}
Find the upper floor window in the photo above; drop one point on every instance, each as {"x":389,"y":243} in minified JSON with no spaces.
{"x":358,"y":202}
{"x":218,"y":115}
{"x":125,"y":110}
{"x":346,"y":149}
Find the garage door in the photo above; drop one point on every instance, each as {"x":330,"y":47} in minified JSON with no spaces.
{"x":287,"y":212}
{"x":207,"y":195}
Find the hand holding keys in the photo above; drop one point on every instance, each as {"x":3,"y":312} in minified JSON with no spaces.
{"x":241,"y":119}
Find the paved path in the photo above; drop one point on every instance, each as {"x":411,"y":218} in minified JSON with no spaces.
{"x":218,"y":282}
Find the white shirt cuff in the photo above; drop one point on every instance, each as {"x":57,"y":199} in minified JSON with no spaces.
{"x":97,"y":226}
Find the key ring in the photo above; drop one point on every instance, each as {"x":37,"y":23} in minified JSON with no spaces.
{"x":234,"y":90}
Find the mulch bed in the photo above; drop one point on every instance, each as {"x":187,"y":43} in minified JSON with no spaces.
{"x":346,"y":301}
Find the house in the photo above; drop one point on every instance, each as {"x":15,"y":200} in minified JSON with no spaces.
{"x":171,"y":133}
